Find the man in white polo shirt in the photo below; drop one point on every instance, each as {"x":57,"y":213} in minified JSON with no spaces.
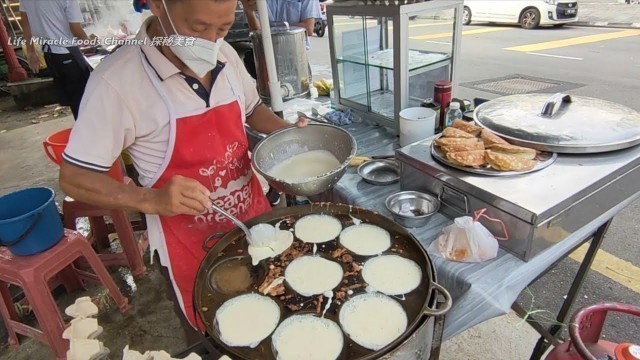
{"x":58,"y":21}
{"x":179,"y":109}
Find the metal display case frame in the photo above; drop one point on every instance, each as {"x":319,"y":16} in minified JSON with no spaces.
{"x":400,"y":14}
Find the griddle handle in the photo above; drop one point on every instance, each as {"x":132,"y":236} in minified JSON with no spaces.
{"x":557,"y":99}
{"x":207,"y":245}
{"x":441,"y":307}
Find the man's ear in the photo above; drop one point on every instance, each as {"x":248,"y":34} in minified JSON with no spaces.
{"x":157,"y":7}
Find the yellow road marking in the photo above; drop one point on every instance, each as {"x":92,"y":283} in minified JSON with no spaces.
{"x":574,"y":41}
{"x":450,"y":34}
{"x":618,"y":270}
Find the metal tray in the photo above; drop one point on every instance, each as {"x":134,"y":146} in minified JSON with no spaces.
{"x":545,"y":159}
{"x":231,"y":251}
{"x":380,"y":172}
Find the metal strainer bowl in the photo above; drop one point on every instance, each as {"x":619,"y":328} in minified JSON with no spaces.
{"x":283,"y":144}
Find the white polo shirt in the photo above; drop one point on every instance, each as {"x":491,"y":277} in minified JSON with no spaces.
{"x":121,"y":109}
{"x":50,"y":20}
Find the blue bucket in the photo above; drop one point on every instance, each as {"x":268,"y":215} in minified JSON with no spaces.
{"x":29,"y":221}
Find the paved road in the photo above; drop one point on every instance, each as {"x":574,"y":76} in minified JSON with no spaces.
{"x":595,"y":62}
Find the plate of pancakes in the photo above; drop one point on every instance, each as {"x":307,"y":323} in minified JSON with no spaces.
{"x":468,"y":147}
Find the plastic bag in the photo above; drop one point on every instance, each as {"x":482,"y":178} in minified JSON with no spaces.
{"x":466,"y":240}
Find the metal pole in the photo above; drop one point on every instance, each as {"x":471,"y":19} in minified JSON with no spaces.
{"x":274,"y":84}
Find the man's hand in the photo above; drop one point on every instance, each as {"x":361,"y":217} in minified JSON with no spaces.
{"x":180,"y":196}
{"x":302,"y":122}
{"x":34,"y":62}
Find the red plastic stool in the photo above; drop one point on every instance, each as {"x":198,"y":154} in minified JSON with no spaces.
{"x":585,"y":330}
{"x":131,"y":255}
{"x":32,"y":274}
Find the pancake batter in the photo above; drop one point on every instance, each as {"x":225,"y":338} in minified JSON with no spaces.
{"x":313,"y":275}
{"x":373,"y":320}
{"x":317,"y":228}
{"x":392,"y":274}
{"x":307,"y":337}
{"x":302,"y":167}
{"x":284,"y":239}
{"x":365,"y":239}
{"x":247,"y":319}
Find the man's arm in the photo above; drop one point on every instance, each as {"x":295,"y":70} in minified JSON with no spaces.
{"x":307,"y":24}
{"x":75,"y":20}
{"x":179,"y":196}
{"x":263,"y":120}
{"x":309,"y":12}
{"x":249,"y":7}
{"x":32,"y":55}
{"x":78,"y":31}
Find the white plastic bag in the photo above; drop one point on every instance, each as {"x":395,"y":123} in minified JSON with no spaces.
{"x":466,"y":240}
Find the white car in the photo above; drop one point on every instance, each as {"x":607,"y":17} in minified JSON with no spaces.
{"x":528,"y":13}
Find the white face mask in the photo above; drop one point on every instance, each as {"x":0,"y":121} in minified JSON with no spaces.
{"x":200,"y":55}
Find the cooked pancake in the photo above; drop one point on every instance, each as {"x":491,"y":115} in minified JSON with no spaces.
{"x":444,"y":141}
{"x":513,"y":150}
{"x":508,"y":163}
{"x":490,"y":138}
{"x":469,"y":127}
{"x":365,"y":239}
{"x":317,"y":228}
{"x":307,"y":337}
{"x":474,"y":158}
{"x":452,"y":132}
{"x":373,"y":320}
{"x":462,"y":147}
{"x":247,"y":319}
{"x":313,"y":275}
{"x":391,"y":274}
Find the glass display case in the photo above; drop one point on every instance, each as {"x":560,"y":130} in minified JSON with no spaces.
{"x":386,"y":56}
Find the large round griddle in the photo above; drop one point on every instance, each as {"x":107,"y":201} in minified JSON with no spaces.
{"x":228,"y":264}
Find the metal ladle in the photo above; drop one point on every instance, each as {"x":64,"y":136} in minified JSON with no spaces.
{"x":235,"y":220}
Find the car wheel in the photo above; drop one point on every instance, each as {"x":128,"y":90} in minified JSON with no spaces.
{"x":466,"y":16}
{"x":318,"y":29}
{"x":530,"y":19}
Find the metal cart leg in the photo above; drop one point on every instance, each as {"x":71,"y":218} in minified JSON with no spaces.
{"x":553,"y":332}
{"x":438,"y":330}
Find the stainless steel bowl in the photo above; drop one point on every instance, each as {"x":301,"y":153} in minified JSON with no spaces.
{"x":285,"y":143}
{"x":380,"y":172}
{"x":412,"y":208}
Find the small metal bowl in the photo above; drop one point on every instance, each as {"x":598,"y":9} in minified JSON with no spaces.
{"x":412,"y":208}
{"x":380,"y":172}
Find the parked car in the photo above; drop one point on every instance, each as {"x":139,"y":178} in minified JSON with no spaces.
{"x":528,"y":13}
{"x":320,"y":26}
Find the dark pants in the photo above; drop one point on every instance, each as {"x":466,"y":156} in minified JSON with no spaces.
{"x":70,"y":74}
{"x":190,"y":333}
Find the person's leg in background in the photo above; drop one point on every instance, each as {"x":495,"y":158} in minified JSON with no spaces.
{"x":69,"y":78}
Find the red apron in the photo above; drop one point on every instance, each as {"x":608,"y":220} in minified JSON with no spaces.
{"x":212,"y":148}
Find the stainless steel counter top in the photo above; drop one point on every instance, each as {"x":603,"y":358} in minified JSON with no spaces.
{"x":536,"y":196}
{"x":481,"y":291}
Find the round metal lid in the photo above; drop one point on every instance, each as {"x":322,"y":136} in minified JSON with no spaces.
{"x":561,"y":123}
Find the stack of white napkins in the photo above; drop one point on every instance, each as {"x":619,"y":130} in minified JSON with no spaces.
{"x":83,"y":331}
{"x":128,"y":354}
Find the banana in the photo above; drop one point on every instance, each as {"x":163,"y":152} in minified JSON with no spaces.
{"x":358,"y":160}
